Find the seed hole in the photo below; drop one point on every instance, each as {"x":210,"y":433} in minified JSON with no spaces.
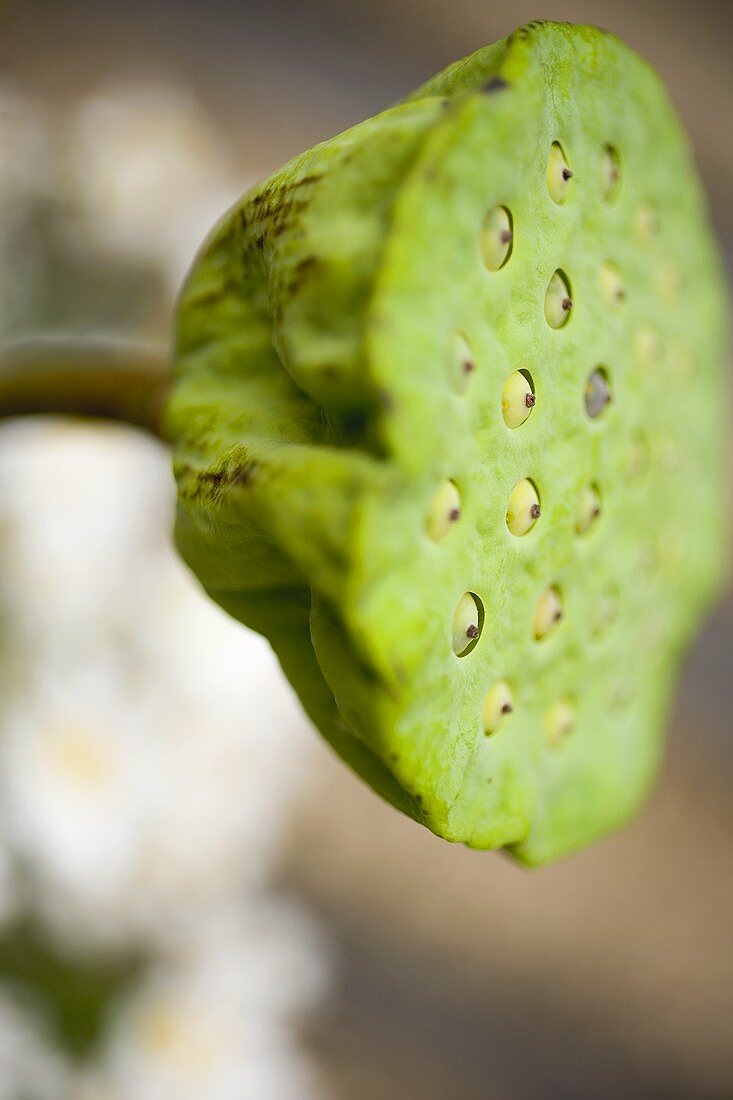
{"x":497,"y":238}
{"x":668,"y":280}
{"x":560,"y":722}
{"x":612,"y":286}
{"x":647,"y":223}
{"x":610,"y":173}
{"x":548,"y":613}
{"x":648,"y":344}
{"x":498,"y":705}
{"x":605,"y":613}
{"x":558,"y":300}
{"x":638,"y":456}
{"x":517,"y":398}
{"x":463,"y":363}
{"x":597,"y":394}
{"x":523,"y":509}
{"x":559,"y":174}
{"x":468,"y":622}
{"x":444,"y":511}
{"x":588,"y":509}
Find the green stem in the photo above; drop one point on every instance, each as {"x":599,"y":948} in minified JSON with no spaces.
{"x":90,"y":378}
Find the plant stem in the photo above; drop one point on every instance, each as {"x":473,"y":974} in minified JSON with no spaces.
{"x":91,"y":378}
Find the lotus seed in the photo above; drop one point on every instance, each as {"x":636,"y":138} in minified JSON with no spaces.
{"x":523,"y":509}
{"x":444,"y":511}
{"x":466,"y":624}
{"x":597,"y":393}
{"x":612,"y":285}
{"x":517,"y":399}
{"x":610,"y":174}
{"x":558,"y":174}
{"x":548,"y":613}
{"x":559,"y":722}
{"x":558,"y":302}
{"x":497,"y":237}
{"x":498,"y":705}
{"x":588,"y":509}
{"x":463,"y":364}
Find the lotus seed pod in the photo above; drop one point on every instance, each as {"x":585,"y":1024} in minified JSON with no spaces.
{"x":517,"y":399}
{"x":498,"y":704}
{"x":523,"y":509}
{"x":344,"y":345}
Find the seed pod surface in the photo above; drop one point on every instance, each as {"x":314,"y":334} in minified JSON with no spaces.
{"x":347,"y":349}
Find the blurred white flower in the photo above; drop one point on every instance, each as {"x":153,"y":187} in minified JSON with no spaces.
{"x":30,"y":1069}
{"x":146,"y":168}
{"x":209,"y":1019}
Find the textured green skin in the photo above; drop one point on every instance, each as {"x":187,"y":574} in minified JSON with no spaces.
{"x":315,"y":411}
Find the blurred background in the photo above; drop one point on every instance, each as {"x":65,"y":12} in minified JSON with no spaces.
{"x":197,"y":901}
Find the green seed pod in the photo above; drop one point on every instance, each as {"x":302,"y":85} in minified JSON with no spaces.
{"x":343,"y":345}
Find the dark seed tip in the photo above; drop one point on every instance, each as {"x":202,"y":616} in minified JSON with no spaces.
{"x":567,"y":303}
{"x":454,"y":514}
{"x":506,"y":236}
{"x":496,"y":84}
{"x":507,"y":708}
{"x":567,"y":174}
{"x":472,"y":631}
{"x":535,"y":511}
{"x":530,"y":400}
{"x":467,"y":366}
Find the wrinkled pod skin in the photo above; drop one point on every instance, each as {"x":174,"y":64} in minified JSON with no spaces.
{"x":479,"y":582}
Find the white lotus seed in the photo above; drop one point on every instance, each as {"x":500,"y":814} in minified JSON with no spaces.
{"x":444,"y":511}
{"x":612,"y":285}
{"x":558,"y":303}
{"x":498,"y":705}
{"x":548,"y":613}
{"x":497,"y":235}
{"x":558,"y":174}
{"x":588,"y":509}
{"x":597,"y":393}
{"x":523,"y":509}
{"x":462,"y":363}
{"x":517,"y":399}
{"x":559,"y":722}
{"x":610,"y":174}
{"x":466,"y":624}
